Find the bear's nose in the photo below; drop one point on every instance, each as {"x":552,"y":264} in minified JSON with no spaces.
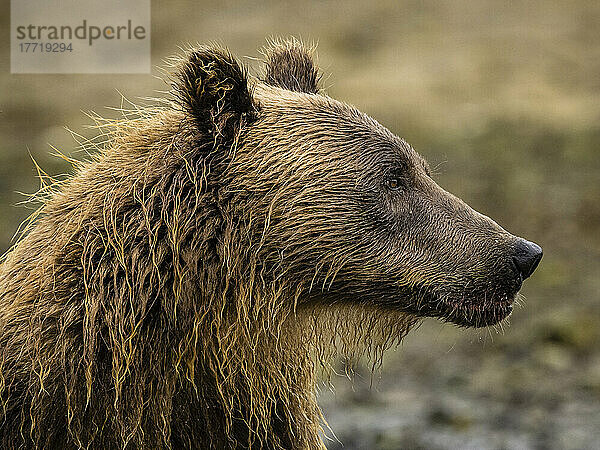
{"x":527,"y":257}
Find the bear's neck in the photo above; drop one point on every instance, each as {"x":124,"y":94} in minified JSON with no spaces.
{"x":182,"y":358}
{"x":119,"y":308}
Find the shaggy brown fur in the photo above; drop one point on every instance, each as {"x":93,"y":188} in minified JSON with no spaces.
{"x":180,"y":289}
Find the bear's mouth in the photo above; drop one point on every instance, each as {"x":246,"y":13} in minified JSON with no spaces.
{"x":478,"y":314}
{"x":468,"y":308}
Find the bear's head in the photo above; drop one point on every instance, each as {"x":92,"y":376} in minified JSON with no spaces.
{"x":335,"y":205}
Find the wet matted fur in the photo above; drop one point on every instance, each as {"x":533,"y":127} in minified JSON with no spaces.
{"x":182,"y":287}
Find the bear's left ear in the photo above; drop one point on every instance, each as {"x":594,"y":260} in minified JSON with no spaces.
{"x":213,"y":88}
{"x":289,"y":64}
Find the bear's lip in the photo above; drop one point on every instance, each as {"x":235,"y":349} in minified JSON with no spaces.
{"x":482,"y":315}
{"x":479,"y":312}
{"x":475,"y":312}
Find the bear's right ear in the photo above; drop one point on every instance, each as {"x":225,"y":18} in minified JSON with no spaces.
{"x":213,"y":88}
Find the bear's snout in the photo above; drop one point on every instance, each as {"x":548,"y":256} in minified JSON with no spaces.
{"x":527,"y":257}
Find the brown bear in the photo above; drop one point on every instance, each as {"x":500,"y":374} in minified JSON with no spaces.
{"x":181,"y":288}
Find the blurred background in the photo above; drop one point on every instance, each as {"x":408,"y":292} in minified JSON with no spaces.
{"x":503,"y":98}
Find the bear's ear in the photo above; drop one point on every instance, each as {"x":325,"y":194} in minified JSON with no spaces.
{"x":213,"y":88}
{"x":290,"y":65}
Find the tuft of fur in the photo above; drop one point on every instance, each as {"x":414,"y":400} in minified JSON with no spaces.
{"x":289,"y":64}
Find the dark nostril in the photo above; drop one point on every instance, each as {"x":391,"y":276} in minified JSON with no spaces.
{"x":527,"y":257}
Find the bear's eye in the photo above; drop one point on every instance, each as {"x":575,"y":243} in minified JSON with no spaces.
{"x":393,"y":183}
{"x":395,"y":179}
